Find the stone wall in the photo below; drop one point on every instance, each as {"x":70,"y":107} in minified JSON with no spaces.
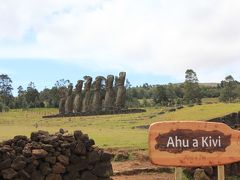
{"x":232,"y":120}
{"x":60,"y":156}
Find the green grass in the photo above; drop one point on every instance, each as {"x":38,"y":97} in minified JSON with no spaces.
{"x":107,"y":130}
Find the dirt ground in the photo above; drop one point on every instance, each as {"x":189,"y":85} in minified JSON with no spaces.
{"x":132,"y":165}
{"x":140,"y":170}
{"x":150,"y":176}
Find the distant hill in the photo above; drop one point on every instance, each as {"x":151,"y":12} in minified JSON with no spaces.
{"x":204,"y":84}
{"x":208,"y":84}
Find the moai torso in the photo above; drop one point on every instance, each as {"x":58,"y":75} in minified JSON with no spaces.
{"x":110,"y":95}
{"x":121,"y":91}
{"x":87,"y":97}
{"x":63,"y":98}
{"x":77,"y":103}
{"x":69,"y":100}
{"x":97,"y":100}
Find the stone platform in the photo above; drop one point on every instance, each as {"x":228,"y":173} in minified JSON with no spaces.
{"x":122,"y":111}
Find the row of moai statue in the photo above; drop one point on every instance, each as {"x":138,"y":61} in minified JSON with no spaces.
{"x":83,"y":102}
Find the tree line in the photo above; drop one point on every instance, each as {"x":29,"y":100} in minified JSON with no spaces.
{"x":190,"y":92}
{"x":29,"y":97}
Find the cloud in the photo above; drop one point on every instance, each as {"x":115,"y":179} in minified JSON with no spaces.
{"x":159,"y":37}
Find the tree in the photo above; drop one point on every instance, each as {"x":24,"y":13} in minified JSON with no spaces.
{"x":132,"y":92}
{"x":62,"y":83}
{"x":32,"y":96}
{"x":191,"y":88}
{"x":210,"y":92}
{"x":171,"y":94}
{"x":146,"y":86}
{"x":128,"y":84}
{"x":20,"y":100}
{"x":20,"y":90}
{"x":5,"y":89}
{"x":160,"y":96}
{"x":50,"y":97}
{"x":179,"y":90}
{"x":228,"y":92}
{"x":45,"y":97}
{"x":131,"y":101}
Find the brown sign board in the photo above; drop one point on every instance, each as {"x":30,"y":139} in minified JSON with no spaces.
{"x":192,"y":144}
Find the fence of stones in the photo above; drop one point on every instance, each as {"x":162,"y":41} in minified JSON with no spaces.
{"x":59,"y":156}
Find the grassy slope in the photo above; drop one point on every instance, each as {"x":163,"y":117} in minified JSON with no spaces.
{"x":109,"y":130}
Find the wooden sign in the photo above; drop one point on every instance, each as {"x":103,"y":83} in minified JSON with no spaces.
{"x":190,"y":144}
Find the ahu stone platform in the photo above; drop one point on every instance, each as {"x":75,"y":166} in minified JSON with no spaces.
{"x":123,"y":111}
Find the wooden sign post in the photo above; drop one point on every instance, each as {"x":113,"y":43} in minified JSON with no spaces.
{"x":193,"y":144}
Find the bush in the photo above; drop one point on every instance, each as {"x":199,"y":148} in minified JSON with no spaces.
{"x":132,"y":103}
{"x":180,"y":107}
{"x":6,"y":109}
{"x":3,"y":108}
{"x":121,"y":156}
{"x":171,"y":110}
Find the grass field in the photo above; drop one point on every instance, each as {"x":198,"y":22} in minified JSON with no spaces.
{"x":107,"y":130}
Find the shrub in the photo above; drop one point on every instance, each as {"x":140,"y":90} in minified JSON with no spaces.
{"x":180,"y":107}
{"x":6,"y":109}
{"x":121,"y":156}
{"x":172,"y":110}
{"x":3,"y":108}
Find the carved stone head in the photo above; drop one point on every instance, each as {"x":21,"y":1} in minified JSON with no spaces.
{"x":79,"y":86}
{"x":98,"y":82}
{"x":62,"y":93}
{"x":121,"y":78}
{"x":88,"y":81}
{"x":109,"y":81}
{"x":70,"y":88}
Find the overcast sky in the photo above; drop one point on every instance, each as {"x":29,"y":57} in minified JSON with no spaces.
{"x":154,"y":41}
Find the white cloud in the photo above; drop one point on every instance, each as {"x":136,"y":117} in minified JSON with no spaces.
{"x":163,"y":37}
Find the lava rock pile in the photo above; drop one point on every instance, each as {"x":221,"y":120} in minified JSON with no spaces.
{"x":60,"y":156}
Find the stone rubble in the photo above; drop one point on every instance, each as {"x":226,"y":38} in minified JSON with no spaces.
{"x":59,"y":156}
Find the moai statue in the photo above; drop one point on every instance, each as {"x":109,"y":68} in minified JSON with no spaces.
{"x":121,"y":91}
{"x":77,"y":103}
{"x":109,"y":96}
{"x":97,"y":100}
{"x":62,"y":94}
{"x":87,"y":97}
{"x":69,"y":100}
